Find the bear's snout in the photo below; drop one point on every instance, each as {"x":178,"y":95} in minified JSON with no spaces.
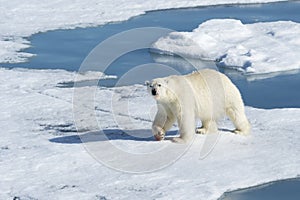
{"x":154,"y":92}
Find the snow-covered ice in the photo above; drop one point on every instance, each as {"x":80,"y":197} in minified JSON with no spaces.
{"x":21,"y":19}
{"x":256,"y":48}
{"x":41,"y":156}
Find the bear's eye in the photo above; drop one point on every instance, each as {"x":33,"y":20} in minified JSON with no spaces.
{"x":159,"y":85}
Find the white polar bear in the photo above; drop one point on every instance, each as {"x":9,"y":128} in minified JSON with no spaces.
{"x":206,"y":95}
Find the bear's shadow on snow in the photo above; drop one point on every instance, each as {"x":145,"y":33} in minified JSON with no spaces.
{"x":109,"y":134}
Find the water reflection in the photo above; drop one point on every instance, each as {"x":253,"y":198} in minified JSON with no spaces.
{"x":183,"y":65}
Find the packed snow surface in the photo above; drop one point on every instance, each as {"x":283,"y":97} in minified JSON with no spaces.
{"x":21,"y":19}
{"x":41,"y":156}
{"x":251,"y":48}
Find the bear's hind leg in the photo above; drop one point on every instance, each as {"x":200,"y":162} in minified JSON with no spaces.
{"x":239,"y":120}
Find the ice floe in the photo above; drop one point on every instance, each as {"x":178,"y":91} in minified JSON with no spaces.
{"x":257,"y":48}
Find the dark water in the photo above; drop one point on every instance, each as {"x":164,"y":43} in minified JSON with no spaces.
{"x":283,"y":190}
{"x":66,"y":49}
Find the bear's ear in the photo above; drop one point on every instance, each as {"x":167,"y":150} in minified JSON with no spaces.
{"x":147,"y":83}
{"x":166,"y":81}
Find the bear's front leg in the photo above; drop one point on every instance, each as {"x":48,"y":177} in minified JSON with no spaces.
{"x":158,"y":132}
{"x":162,"y":123}
{"x":208,"y":126}
{"x":178,"y":140}
{"x":186,"y":124}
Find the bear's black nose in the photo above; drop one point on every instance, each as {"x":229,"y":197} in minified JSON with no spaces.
{"x":153,"y":91}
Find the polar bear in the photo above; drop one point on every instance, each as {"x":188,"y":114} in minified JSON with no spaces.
{"x":205,"y":94}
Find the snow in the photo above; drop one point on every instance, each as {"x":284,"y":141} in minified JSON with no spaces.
{"x":21,"y":19}
{"x":257,"y":48}
{"x":41,"y":156}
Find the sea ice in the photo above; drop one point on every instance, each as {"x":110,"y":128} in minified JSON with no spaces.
{"x":257,"y":48}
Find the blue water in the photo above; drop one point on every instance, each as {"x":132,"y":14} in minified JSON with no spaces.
{"x":284,"y":190}
{"x":66,"y":49}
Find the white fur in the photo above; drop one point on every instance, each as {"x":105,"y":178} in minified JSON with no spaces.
{"x":206,"y":95}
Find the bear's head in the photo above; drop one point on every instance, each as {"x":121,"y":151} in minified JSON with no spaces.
{"x":160,"y":89}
